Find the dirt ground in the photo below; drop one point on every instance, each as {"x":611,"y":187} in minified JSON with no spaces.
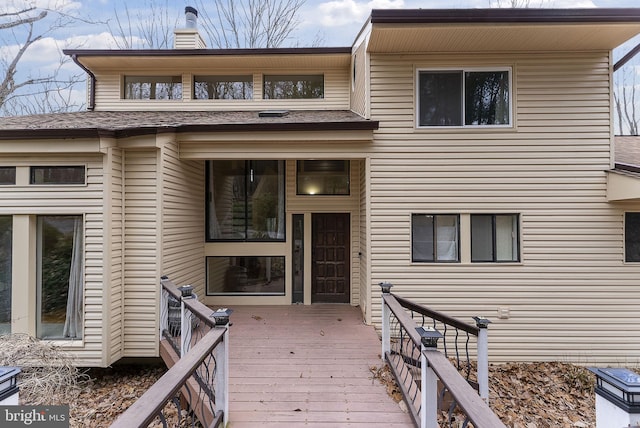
{"x":538,"y":395}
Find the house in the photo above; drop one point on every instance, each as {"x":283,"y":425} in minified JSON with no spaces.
{"x":466,"y":156}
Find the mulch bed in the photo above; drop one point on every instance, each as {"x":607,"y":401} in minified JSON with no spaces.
{"x":531,"y":395}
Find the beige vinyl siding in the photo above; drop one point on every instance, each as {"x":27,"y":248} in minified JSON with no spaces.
{"x":572,"y":297}
{"x":114,"y":246}
{"x":359,"y":93}
{"x":364,"y":275}
{"x":336,"y":95}
{"x":142,"y":253}
{"x":183,"y":219}
{"x":83,"y":200}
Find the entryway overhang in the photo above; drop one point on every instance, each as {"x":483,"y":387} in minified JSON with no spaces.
{"x":623,"y":184}
{"x":290,"y":136}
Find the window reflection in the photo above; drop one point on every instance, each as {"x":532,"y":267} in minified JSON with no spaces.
{"x":245,"y":200}
{"x":245,"y":275}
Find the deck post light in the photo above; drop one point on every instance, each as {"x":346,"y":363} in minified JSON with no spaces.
{"x":186,"y":291}
{"x":482,"y":322}
{"x":9,"y":389}
{"x":221,"y":316}
{"x":386,"y":287}
{"x":617,"y":397}
{"x":429,"y":336}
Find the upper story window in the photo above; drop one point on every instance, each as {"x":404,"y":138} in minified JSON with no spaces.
{"x":494,"y":238}
{"x":323,"y":177}
{"x":293,"y":86}
{"x":632,"y":237}
{"x":460,"y":98}
{"x":152,"y":87}
{"x":57,"y":175}
{"x":435,"y":237}
{"x":223,"y":87}
{"x":7,"y":175}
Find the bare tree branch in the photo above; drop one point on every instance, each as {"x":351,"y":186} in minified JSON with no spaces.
{"x":21,"y":21}
{"x":24,"y":88}
{"x":249,"y":23}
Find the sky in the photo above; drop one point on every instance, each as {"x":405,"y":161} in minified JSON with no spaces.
{"x":337,"y":22}
{"x":321,"y":23}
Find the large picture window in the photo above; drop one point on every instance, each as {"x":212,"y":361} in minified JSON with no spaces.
{"x":245,"y":200}
{"x":293,"y":86}
{"x":245,"y":275}
{"x":464,"y":98}
{"x":59,"y":277}
{"x":632,"y":237}
{"x":435,"y":238}
{"x":6,"y":240}
{"x":222,"y":87}
{"x":494,"y":238}
{"x":152,"y":87}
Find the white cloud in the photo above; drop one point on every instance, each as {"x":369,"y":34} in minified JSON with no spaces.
{"x":343,"y":12}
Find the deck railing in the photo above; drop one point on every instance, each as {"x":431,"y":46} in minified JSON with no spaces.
{"x":196,"y":387}
{"x":452,"y":384}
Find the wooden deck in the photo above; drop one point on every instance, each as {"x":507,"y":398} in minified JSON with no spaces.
{"x":294,"y":366}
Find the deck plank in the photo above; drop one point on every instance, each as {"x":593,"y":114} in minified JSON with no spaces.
{"x":308,"y":366}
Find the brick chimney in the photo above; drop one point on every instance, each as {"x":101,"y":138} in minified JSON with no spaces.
{"x":189,"y":37}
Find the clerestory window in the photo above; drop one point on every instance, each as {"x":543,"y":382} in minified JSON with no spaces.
{"x":152,"y":88}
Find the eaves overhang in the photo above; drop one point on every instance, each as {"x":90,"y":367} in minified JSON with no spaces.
{"x":98,"y":60}
{"x":501,"y":30}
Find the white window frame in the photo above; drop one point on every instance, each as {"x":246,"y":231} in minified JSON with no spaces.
{"x":508,"y":69}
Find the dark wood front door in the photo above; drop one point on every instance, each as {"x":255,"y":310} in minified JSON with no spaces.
{"x":330,"y":274}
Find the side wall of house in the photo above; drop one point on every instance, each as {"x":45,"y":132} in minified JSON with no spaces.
{"x":24,"y":200}
{"x":142,"y":252}
{"x":359,"y":81}
{"x":571,"y":297}
{"x":113,"y":252}
{"x":183,"y":218}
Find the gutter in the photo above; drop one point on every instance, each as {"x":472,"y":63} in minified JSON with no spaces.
{"x":625,"y":59}
{"x":92,"y":88}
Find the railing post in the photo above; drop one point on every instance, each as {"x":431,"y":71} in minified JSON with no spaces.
{"x":164,"y":308}
{"x":185,"y":320}
{"x":428,"y":378}
{"x":386,"y":314}
{"x":221,"y":356}
{"x":483,"y":357}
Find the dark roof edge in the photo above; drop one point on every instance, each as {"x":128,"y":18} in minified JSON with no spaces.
{"x":627,"y":167}
{"x":221,"y":52}
{"x":57,"y":133}
{"x":504,"y":15}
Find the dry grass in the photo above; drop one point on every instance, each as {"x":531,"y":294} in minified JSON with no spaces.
{"x":48,"y":373}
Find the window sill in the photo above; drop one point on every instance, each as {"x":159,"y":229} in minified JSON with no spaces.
{"x":65,"y":343}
